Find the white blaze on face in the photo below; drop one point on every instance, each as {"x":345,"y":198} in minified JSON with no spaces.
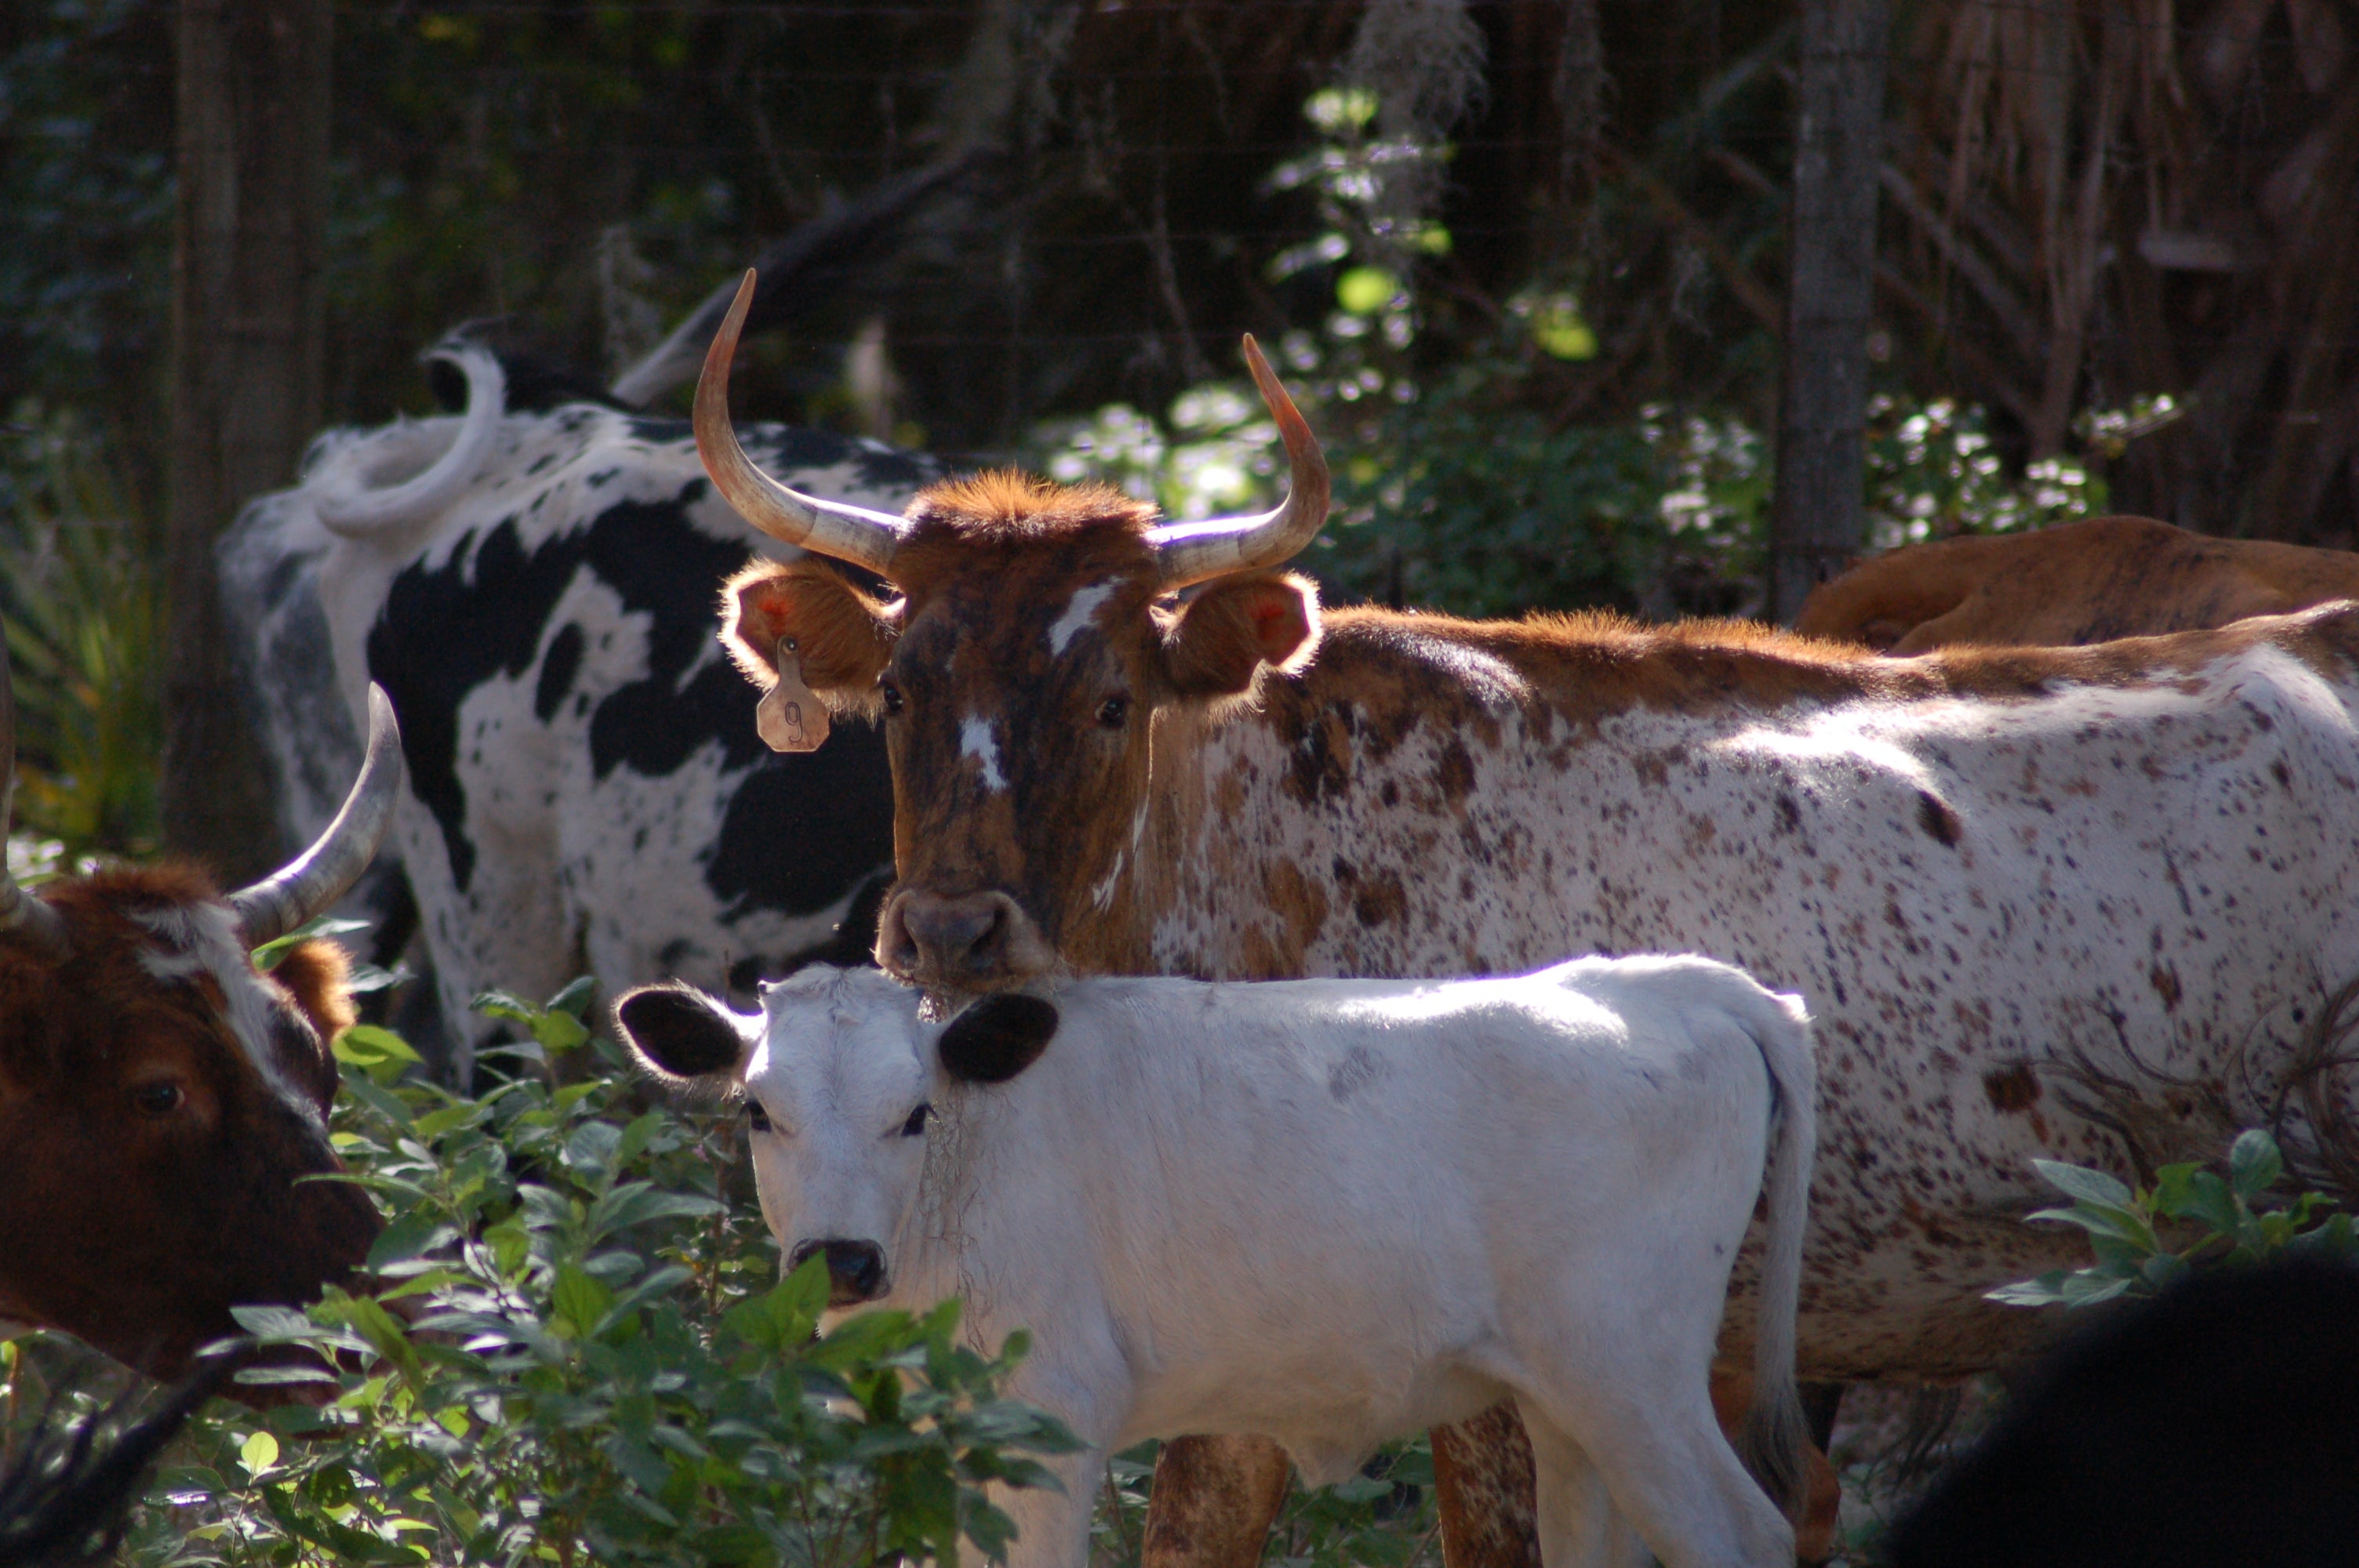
{"x":1079,"y":612}
{"x":205,"y":939}
{"x":976,"y":740}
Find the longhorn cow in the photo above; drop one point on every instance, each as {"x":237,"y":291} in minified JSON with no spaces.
{"x":163,"y":1103}
{"x":1122,"y":745}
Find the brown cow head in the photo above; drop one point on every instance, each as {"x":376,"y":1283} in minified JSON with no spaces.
{"x":161,"y":1101}
{"x":1036,"y":650}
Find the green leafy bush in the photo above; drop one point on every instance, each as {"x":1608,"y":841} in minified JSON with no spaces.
{"x":2191,"y":1217}
{"x":581,"y":1357}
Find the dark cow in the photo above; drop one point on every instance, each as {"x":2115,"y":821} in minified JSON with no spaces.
{"x":534,"y":591}
{"x":1121,"y":745}
{"x":2074,"y":583}
{"x":162,"y":1102}
{"x":2217,"y":1425}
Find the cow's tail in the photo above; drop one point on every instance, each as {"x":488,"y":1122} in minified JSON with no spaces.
{"x":1775,"y":1443}
{"x":364,"y":513}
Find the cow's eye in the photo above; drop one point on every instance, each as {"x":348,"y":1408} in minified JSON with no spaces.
{"x":755,"y":1117}
{"x":917,"y":1122}
{"x":1114,"y":710}
{"x":158,"y":1100}
{"x":892,"y":695}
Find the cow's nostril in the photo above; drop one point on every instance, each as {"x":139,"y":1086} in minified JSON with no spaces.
{"x":990,"y":944}
{"x":855,"y":1270}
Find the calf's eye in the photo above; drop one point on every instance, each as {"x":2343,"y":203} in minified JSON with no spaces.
{"x":892,"y":696}
{"x":756,"y":1117}
{"x":1112,"y":711}
{"x":917,"y":1122}
{"x":158,"y":1100}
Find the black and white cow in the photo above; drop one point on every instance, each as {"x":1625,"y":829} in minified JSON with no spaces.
{"x":537,"y":593}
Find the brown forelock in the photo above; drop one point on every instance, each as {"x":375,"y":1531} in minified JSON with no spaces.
{"x":843,"y":636}
{"x":135,"y":1231}
{"x":1004,"y":507}
{"x":315,"y":974}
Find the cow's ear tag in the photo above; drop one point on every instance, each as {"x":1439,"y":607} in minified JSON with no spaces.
{"x":791,"y":717}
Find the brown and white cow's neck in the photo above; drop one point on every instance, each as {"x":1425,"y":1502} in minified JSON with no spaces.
{"x":1977,"y":867}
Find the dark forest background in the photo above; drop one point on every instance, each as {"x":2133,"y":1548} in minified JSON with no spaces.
{"x":2085,"y":204}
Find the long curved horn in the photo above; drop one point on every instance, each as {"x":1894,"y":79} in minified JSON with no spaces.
{"x":20,"y":911}
{"x":319,"y":876}
{"x":830,"y":527}
{"x":424,"y":495}
{"x":1189,"y":553}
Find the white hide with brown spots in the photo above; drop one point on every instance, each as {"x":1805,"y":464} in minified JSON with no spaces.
{"x":1963,"y":887}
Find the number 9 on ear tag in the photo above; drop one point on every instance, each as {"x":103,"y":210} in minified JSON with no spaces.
{"x":791,"y":717}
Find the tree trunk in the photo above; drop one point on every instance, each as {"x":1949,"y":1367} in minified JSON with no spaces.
{"x":248,"y":304}
{"x":1816,"y":523}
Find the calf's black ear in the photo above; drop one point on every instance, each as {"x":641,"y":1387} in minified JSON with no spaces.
{"x":997,"y":1038}
{"x":679,"y":1033}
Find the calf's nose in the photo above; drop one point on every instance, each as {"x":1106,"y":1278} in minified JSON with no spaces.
{"x":855,"y":1270}
{"x":947,"y":940}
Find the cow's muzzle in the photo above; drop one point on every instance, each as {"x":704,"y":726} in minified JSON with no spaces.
{"x":976,"y":941}
{"x":855,"y":1270}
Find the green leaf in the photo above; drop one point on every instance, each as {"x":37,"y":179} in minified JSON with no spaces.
{"x":2088,"y":1287}
{"x":2253,"y":1163}
{"x":2079,"y":1181}
{"x":258,"y":1454}
{"x":266,"y":956}
{"x":365,"y":1045}
{"x":581,"y":1299}
{"x":574,"y":999}
{"x":406,"y":1237}
{"x":2214,"y":1203}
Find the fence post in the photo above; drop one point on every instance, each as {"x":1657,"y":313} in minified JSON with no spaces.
{"x":247,"y":308}
{"x":1815,"y":522}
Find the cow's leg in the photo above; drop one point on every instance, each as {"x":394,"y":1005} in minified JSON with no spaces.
{"x":1052,"y":1528}
{"x":1814,"y":1533}
{"x":1212,"y":1503}
{"x":1577,"y":1524}
{"x":1483,"y":1478}
{"x":1649,"y":1430}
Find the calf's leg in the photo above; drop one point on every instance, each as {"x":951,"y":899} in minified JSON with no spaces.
{"x":1577,"y":1524}
{"x":1213,"y":1501}
{"x":1650,"y":1433}
{"x":1052,"y":1529}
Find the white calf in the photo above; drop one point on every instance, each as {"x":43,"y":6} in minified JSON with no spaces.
{"x":1331,"y":1212}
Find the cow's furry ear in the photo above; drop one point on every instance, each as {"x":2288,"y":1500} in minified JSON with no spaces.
{"x":1234,"y":627}
{"x":679,"y":1033}
{"x":839,"y":636}
{"x":997,"y":1038}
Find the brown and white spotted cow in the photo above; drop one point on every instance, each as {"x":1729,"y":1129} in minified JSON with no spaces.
{"x":1978,"y":866}
{"x":161,"y":1101}
{"x":2075,"y":583}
